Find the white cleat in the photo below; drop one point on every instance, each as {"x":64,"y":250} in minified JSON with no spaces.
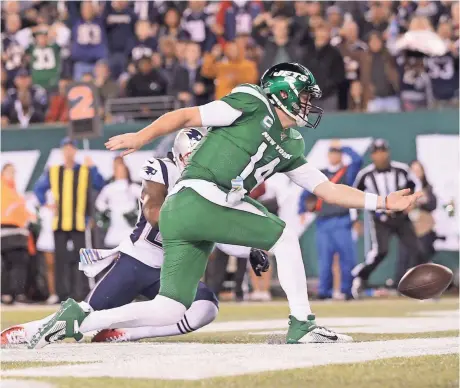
{"x":64,"y":324}
{"x":14,"y":335}
{"x":307,"y":332}
{"x":323,"y":335}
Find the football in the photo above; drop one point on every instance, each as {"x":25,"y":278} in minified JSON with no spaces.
{"x":425,"y":281}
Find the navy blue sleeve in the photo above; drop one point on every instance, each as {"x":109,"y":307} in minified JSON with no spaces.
{"x":42,"y":186}
{"x":303,"y":198}
{"x":134,"y":18}
{"x":354,"y":167}
{"x":73,"y":10}
{"x":97,"y":180}
{"x":106,"y":10}
{"x":230,"y":24}
{"x":210,"y":40}
{"x":254,"y":10}
{"x":6,"y":105}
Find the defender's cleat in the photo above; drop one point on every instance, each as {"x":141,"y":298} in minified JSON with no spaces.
{"x":111,"y":335}
{"x":309,"y":332}
{"x":65,"y":324}
{"x":14,"y":335}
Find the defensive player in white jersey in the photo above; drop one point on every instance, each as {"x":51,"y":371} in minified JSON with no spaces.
{"x":139,"y":258}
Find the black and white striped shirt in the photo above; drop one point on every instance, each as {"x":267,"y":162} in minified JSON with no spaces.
{"x":383,"y":182}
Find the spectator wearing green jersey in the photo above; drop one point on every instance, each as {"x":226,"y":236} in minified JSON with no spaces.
{"x":45,"y":60}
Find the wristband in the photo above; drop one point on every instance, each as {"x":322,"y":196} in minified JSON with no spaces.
{"x":370,"y":201}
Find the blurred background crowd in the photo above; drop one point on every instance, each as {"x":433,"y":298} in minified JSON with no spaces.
{"x":367,"y":56}
{"x":196,"y":51}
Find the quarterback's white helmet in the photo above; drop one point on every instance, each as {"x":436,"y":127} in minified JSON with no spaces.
{"x":186,"y":141}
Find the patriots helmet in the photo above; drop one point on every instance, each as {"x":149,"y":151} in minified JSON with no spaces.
{"x":291,"y":87}
{"x":186,"y":141}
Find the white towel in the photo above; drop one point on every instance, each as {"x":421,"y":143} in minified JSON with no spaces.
{"x":93,"y":261}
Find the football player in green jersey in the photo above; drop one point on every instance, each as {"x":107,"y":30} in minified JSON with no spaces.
{"x":250,"y":139}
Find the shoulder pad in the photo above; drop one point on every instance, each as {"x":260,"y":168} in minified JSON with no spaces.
{"x":254,"y":91}
{"x":154,"y":170}
{"x":296,"y":134}
{"x":257,"y":88}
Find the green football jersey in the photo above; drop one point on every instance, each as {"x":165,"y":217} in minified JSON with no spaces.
{"x":254,"y":147}
{"x":45,"y":65}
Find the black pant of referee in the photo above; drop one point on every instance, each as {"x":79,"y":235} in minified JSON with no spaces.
{"x":382,"y":227}
{"x":70,"y":282}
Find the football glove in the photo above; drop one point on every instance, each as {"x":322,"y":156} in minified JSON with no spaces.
{"x":259,"y":261}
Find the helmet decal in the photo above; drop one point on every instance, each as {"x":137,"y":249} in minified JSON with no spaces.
{"x":185,"y":142}
{"x":285,"y":73}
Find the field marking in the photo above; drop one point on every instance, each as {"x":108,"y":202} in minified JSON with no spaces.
{"x":438,"y":313}
{"x":422,"y":323}
{"x":44,"y":307}
{"x":418,"y":324}
{"x":181,"y":361}
{"x":25,"y":384}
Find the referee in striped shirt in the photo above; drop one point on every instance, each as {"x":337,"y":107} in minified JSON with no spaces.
{"x":72,"y":185}
{"x":382,"y":177}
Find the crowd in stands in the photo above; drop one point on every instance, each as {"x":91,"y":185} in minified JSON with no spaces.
{"x":197,"y":51}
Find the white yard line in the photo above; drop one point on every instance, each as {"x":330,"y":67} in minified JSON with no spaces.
{"x":447,"y":321}
{"x":25,"y":384}
{"x":30,"y":307}
{"x":439,"y":313}
{"x":422,"y":323}
{"x":196,"y":361}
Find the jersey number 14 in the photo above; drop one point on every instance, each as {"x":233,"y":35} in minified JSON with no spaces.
{"x":263,"y":171}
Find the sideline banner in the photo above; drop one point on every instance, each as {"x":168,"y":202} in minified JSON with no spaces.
{"x":24,"y":163}
{"x":439,"y":154}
